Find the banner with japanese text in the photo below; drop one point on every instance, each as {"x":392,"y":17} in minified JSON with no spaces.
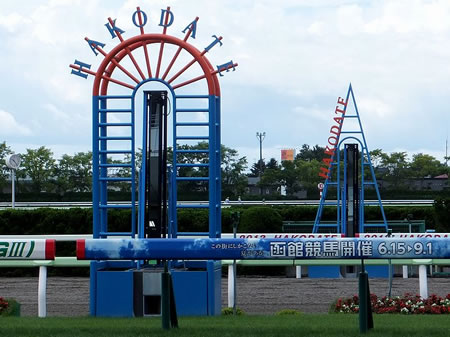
{"x":218,"y":249}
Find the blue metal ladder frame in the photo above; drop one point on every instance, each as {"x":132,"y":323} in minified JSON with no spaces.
{"x":100,"y":204}
{"x":341,"y":198}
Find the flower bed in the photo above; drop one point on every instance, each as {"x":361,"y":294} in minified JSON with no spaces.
{"x":406,"y":304}
{"x":9,"y":307}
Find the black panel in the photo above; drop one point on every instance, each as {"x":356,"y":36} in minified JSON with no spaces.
{"x":352,"y":188}
{"x":156,"y":172}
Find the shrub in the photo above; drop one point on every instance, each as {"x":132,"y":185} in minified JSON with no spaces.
{"x":260,"y":220}
{"x":442,"y":214}
{"x":229,"y":311}
{"x":9,"y":307}
{"x":288,"y":312}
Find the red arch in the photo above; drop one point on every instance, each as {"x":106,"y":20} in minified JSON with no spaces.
{"x":119,"y":52}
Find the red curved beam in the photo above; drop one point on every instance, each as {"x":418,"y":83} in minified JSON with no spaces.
{"x":120,"y":51}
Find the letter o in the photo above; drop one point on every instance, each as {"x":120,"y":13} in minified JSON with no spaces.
{"x":335,"y":140}
{"x":134,"y":18}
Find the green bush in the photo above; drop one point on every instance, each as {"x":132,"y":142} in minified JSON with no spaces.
{"x":9,"y":307}
{"x":263,"y":219}
{"x":260,"y":220}
{"x":229,"y":311}
{"x":441,"y":214}
{"x":288,"y":312}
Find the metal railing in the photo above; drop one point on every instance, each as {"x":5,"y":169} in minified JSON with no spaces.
{"x":88,"y":204}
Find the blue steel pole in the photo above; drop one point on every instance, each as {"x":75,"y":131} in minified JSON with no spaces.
{"x":95,"y":169}
{"x":133,"y":170}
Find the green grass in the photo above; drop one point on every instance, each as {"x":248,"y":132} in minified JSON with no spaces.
{"x":227,"y":326}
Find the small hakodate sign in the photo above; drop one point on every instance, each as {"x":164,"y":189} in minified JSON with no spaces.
{"x":23,"y":249}
{"x":254,"y":249}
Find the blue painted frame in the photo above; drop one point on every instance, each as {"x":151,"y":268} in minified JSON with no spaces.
{"x":341,"y":198}
{"x":100,"y":180}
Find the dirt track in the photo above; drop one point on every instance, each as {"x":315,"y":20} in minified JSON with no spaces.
{"x":255,"y":295}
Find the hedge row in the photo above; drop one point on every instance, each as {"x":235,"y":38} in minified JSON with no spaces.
{"x":263,"y":219}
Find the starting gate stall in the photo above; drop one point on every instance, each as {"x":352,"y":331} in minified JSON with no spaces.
{"x":348,"y":172}
{"x":134,"y":74}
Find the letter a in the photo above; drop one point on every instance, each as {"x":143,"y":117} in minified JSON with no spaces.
{"x":94,"y":44}
{"x":193,"y":26}
{"x":324,"y":172}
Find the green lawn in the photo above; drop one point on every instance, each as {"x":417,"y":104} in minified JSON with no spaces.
{"x":260,"y":326}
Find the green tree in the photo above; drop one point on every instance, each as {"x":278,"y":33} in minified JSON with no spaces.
{"x":271,"y":178}
{"x":308,"y":173}
{"x":272,"y":164}
{"x":396,"y":168}
{"x":5,"y":150}
{"x":39,"y":165}
{"x":289,"y":176}
{"x":233,"y":167}
{"x":256,"y":168}
{"x":425,"y":166}
{"x":74,"y":173}
{"x":307,"y":153}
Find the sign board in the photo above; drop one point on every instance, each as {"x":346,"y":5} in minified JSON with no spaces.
{"x":287,"y":154}
{"x":254,"y":249}
{"x":22,"y":249}
{"x":403,"y":235}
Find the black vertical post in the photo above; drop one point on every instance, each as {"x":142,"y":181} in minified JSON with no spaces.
{"x":156,"y":168}
{"x":365,"y":308}
{"x":352,"y":189}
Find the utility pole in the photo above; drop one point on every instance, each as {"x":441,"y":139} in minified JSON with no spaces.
{"x":260,"y":136}
{"x":446,"y":152}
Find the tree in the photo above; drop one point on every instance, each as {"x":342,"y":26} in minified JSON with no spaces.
{"x":289,"y":177}
{"x":396,"y":166}
{"x":74,"y":173}
{"x":307,"y":173}
{"x":4,"y":171}
{"x":271,"y":178}
{"x":39,"y":166}
{"x":233,"y":166}
{"x":272,"y":164}
{"x":376,"y":157}
{"x":256,"y":168}
{"x":426,"y":166}
{"x":306,"y":153}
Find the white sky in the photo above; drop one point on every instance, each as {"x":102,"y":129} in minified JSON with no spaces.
{"x":295,"y":58}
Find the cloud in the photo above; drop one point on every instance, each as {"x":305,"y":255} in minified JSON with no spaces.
{"x":13,"y":21}
{"x":295,"y":58}
{"x":10,"y":127}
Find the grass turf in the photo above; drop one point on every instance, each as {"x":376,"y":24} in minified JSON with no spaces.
{"x":224,"y":326}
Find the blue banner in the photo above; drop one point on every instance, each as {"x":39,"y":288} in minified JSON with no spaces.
{"x":254,"y":249}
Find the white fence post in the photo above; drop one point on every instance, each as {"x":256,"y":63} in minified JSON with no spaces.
{"x":230,"y":286}
{"x":423,"y":282}
{"x":42,"y":292}
{"x":405,"y":271}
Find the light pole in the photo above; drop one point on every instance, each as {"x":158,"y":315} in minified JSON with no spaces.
{"x":260,"y":136}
